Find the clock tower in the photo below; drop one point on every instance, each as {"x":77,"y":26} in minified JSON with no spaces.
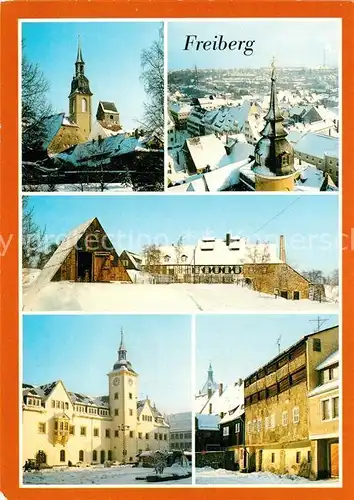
{"x":123,"y":390}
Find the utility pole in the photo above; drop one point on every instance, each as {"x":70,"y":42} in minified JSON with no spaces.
{"x":320,"y":321}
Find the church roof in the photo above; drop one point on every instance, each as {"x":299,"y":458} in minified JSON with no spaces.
{"x":108,"y":106}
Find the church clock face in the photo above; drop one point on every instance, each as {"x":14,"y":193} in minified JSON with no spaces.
{"x":115,"y":381}
{"x":130,"y":381}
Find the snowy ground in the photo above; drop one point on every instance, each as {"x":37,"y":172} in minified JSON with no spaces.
{"x":119,"y":475}
{"x":173,"y":298}
{"x":207,"y":475}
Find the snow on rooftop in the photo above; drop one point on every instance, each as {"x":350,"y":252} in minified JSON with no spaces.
{"x":317,"y":145}
{"x":331,"y":360}
{"x":208,"y":422}
{"x":328,"y":386}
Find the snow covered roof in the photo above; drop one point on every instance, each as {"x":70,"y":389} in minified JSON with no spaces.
{"x":328,"y":386}
{"x":232,"y":396}
{"x":59,"y":256}
{"x":50,"y":126}
{"x":180,"y":421}
{"x":318,"y":145}
{"x":234,"y":413}
{"x":228,"y":118}
{"x":208,"y":422}
{"x":333,"y":359}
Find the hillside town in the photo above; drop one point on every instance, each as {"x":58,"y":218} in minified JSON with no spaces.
{"x":86,"y":149}
{"x":280,"y":424}
{"x":253,"y":130}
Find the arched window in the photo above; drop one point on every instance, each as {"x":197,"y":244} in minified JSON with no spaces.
{"x":94,"y":455}
{"x":81,"y":455}
{"x":102,"y":456}
{"x":62,"y":455}
{"x":83,"y":105}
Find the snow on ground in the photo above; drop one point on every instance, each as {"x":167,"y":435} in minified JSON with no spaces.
{"x":207,"y":475}
{"x":186,"y":298}
{"x":29,"y":276}
{"x":118,"y":475}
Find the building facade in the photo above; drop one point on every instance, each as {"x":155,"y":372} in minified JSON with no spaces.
{"x":180,"y":431}
{"x":59,"y":426}
{"x":277,"y":407}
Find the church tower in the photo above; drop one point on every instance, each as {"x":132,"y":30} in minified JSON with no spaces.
{"x":210,"y":386}
{"x":274,"y":156}
{"x":80,"y":96}
{"x":123,"y":390}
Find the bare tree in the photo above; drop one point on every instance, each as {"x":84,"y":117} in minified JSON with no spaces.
{"x":152,"y":76}
{"x":32,"y":236}
{"x":151,"y":258}
{"x":259,"y":254}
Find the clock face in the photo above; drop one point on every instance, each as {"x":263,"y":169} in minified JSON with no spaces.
{"x":115,"y":381}
{"x":130,"y":381}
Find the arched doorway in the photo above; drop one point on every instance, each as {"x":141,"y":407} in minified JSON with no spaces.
{"x":81,"y":455}
{"x":62,"y":455}
{"x":102,"y":456}
{"x":109,"y":455}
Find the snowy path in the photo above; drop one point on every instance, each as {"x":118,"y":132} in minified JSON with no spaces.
{"x":174,"y":298}
{"x":120,"y":475}
{"x":207,"y":475}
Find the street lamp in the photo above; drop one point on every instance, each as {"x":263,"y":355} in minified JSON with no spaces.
{"x":123,"y":428}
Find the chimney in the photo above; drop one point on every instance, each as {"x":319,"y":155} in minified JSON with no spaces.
{"x":228,"y":238}
{"x":221,"y":389}
{"x":282,"y":254}
{"x":210,"y":393}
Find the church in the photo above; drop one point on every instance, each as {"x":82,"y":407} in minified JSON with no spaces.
{"x":59,"y":426}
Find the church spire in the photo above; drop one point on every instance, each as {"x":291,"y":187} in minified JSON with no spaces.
{"x":79,"y":58}
{"x":122,"y":352}
{"x":273,"y":151}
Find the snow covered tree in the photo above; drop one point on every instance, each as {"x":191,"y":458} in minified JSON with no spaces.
{"x":34,"y":105}
{"x":152,"y":76}
{"x":32,"y":236}
{"x":151,"y":257}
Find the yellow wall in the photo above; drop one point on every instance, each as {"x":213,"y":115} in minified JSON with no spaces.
{"x":281,"y":183}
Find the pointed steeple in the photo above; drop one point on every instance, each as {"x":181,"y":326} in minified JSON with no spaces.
{"x":122,"y":352}
{"x":210,"y":385}
{"x":273,"y":151}
{"x":80,"y":83}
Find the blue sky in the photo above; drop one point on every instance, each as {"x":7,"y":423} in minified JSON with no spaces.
{"x":111,"y":52}
{"x":237,"y":345}
{"x":81,"y":350}
{"x":309,"y":223}
{"x":293,"y":43}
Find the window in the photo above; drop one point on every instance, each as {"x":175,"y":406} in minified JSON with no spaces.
{"x":325,"y":409}
{"x":237,"y":428}
{"x":266,"y":423}
{"x":254,"y":425}
{"x":41,"y":427}
{"x":82,"y":431}
{"x":140,"y":435}
{"x":108,"y":433}
{"x":316,"y":345}
{"x":109,"y":455}
{"x":309,"y":457}
{"x":210,"y":408}
{"x":131,"y":413}
{"x":225,"y":431}
{"x":116,"y":433}
{"x":273,"y":458}
{"x":249,"y":427}
{"x":81,"y":455}
{"x":57,"y":404}
{"x":116,"y":411}
{"x":272,"y":421}
{"x":62,"y":455}
{"x":156,"y":437}
{"x":130,"y":395}
{"x":72,"y":430}
{"x":96,"y":432}
{"x":146,"y":436}
{"x":165,"y":437}
{"x":94,"y":455}
{"x":83,"y":105}
{"x":66,"y":406}
{"x":116,"y":395}
{"x":53,"y":403}
{"x":284,"y":418}
{"x":298,"y":457}
{"x":335,"y":407}
{"x":296,"y":415}
{"x":131,"y":434}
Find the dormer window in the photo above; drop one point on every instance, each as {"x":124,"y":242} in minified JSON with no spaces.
{"x":184,"y":258}
{"x":167,"y":258}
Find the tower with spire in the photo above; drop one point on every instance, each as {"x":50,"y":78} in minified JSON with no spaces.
{"x":274,"y":156}
{"x":210,"y":386}
{"x":80,"y":96}
{"x":123,"y":391}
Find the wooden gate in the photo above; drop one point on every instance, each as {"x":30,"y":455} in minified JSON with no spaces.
{"x":99,"y":261}
{"x":334,"y":471}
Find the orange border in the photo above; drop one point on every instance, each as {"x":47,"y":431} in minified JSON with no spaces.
{"x":11,"y":12}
